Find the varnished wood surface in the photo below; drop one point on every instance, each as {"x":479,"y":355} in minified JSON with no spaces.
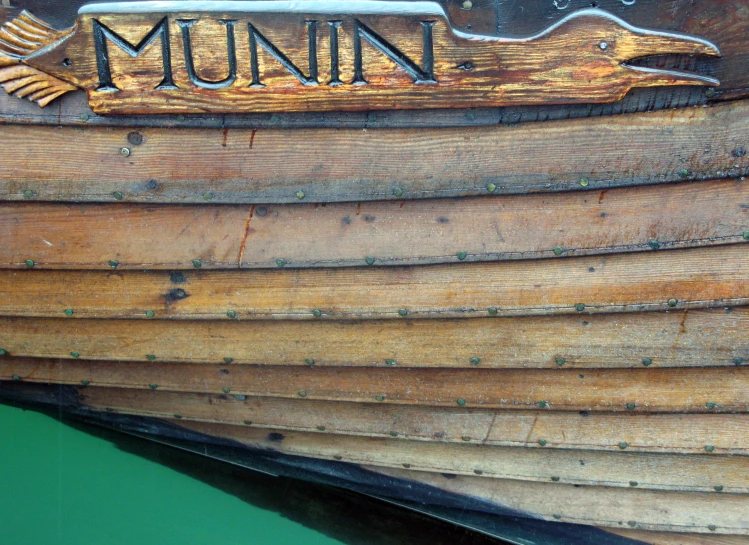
{"x":321,"y":165}
{"x":627,"y":470}
{"x":539,"y":429}
{"x":679,"y":279}
{"x":624,"y":390}
{"x":134,"y":236}
{"x":671,"y":538}
{"x":687,"y":338}
{"x":601,"y":506}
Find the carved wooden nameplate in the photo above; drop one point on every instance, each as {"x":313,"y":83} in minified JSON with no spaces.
{"x":263,"y":56}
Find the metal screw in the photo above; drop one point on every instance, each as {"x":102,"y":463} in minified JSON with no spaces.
{"x":309,"y":361}
{"x":558,"y":250}
{"x":197,"y":263}
{"x":623,"y":445}
{"x":300,"y":195}
{"x":631,"y":406}
{"x":281,"y":262}
{"x":543,"y":404}
{"x":461,"y":402}
{"x":302,"y":393}
{"x":370,"y":260}
{"x":125,"y":152}
{"x":316,"y":313}
{"x":584,"y":182}
{"x":462,"y":255}
{"x":647,"y":362}
{"x":491,"y":188}
{"x":114,"y":264}
{"x":542,"y":442}
{"x":117,"y":195}
{"x":69,"y":312}
{"x":28,"y":194}
{"x":75,"y":354}
{"x":561,"y":361}
{"x":493,"y":311}
{"x":390,"y":362}
{"x":225,"y":389}
{"x":709,"y":448}
{"x":711,"y":405}
{"x":150,"y":314}
{"x":579,"y":307}
{"x":228,"y":360}
{"x":30,"y":263}
{"x":398,"y":192}
{"x":231,"y":314}
{"x":672,"y":303}
{"x":475,"y":361}
{"x":153,"y":386}
{"x":150,"y":357}
{"x":207,"y":196}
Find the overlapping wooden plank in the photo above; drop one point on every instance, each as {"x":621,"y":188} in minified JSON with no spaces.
{"x":719,"y":433}
{"x":688,"y":338}
{"x":697,"y":278}
{"x":79,"y":236}
{"x":649,"y":471}
{"x":601,"y":506}
{"x":642,"y":390}
{"x":264,"y":166}
{"x":671,"y":538}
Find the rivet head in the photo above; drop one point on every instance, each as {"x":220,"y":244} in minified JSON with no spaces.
{"x":114,"y":264}
{"x":316,"y":313}
{"x":30,"y":263}
{"x":281,"y":263}
{"x":125,"y":152}
{"x":300,"y":195}
{"x":309,"y":361}
{"x":654,"y":244}
{"x":647,"y":362}
{"x":153,"y":386}
{"x":542,"y":442}
{"x":231,"y":314}
{"x":467,"y":4}
{"x":69,"y":312}
{"x":555,"y":479}
{"x":672,"y":303}
{"x":623,"y":445}
{"x":207,"y":196}
{"x":558,"y":250}
{"x":631,"y":406}
{"x":584,"y":182}
{"x":150,"y":314}
{"x":462,"y":255}
{"x":302,"y":393}
{"x":228,"y":360}
{"x":407,"y":466}
{"x":28,"y":194}
{"x":543,"y":404}
{"x":579,"y":307}
{"x":683,"y":173}
{"x":561,"y":361}
{"x":711,"y":405}
{"x":403,"y":312}
{"x":338,"y":457}
{"x":118,"y":196}
{"x":557,"y":517}
{"x":632,"y":523}
{"x":248,"y":422}
{"x":634,"y":483}
{"x":370,"y":260}
{"x":390,"y":363}
{"x":85,"y":383}
{"x":461,"y":402}
{"x":16,"y":377}
{"x":398,"y":192}
{"x":393,"y":434}
{"x":3,"y":352}
{"x":379,"y":398}
{"x":478,"y":472}
{"x":197,"y":263}
{"x":739,"y":361}
{"x":493,"y":311}
{"x":150,"y":357}
{"x":709,"y":448}
{"x":178,"y":416}
{"x":75,"y":354}
{"x":321,"y":428}
{"x":225,"y":389}
{"x":746,"y":235}
{"x":465,"y":438}
{"x":718,"y":488}
{"x":491,"y":188}
{"x":475,"y":361}
{"x":712,"y":527}
{"x":240,"y":397}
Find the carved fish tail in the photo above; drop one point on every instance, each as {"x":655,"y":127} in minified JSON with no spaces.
{"x":20,"y":38}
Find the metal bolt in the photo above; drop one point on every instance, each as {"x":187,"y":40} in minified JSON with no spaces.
{"x":197,"y":263}
{"x":309,"y":361}
{"x":475,"y":361}
{"x":579,"y":307}
{"x":228,"y":360}
{"x":654,"y":244}
{"x":462,"y":255}
{"x":85,"y":382}
{"x":300,"y":195}
{"x":231,"y":314}
{"x":150,"y":357}
{"x":398,"y":192}
{"x":302,"y":393}
{"x":711,"y":405}
{"x":467,"y":4}
{"x":672,"y":303}
{"x":555,"y":479}
{"x":584,"y":182}
{"x":150,"y":314}
{"x":225,"y":389}
{"x":542,"y":442}
{"x":623,"y":445}
{"x":461,"y":402}
{"x":30,"y":263}
{"x":281,"y":263}
{"x":543,"y":404}
{"x":370,"y":260}
{"x":69,"y":312}
{"x":28,"y":194}
{"x":393,"y":434}
{"x":709,"y":448}
{"x":403,"y":312}
{"x":493,"y":311}
{"x":561,"y":361}
{"x":153,"y":386}
{"x":558,"y":250}
{"x":114,"y":264}
{"x":118,"y":196}
{"x":647,"y":362}
{"x":465,"y":438}
{"x":316,"y":313}
{"x":718,"y":488}
{"x":379,"y":398}
{"x":207,"y":196}
{"x":491,"y":188}
{"x":125,"y":152}
{"x":390,"y":362}
{"x":631,"y":406}
{"x":75,"y":354}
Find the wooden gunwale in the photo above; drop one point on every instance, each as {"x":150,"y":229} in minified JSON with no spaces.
{"x":685,"y":338}
{"x":700,"y":390}
{"x":322,"y":165}
{"x":679,"y":279}
{"x":58,"y":236}
{"x":670,"y":538}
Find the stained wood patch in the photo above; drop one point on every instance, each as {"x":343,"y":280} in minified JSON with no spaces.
{"x":77,"y":236}
{"x":671,"y":538}
{"x":250,"y":57}
{"x":320,"y":165}
{"x":696,"y":338}
{"x":601,"y":506}
{"x":539,"y":429}
{"x":621,"y":469}
{"x":646,"y":390}
{"x":682,"y":279}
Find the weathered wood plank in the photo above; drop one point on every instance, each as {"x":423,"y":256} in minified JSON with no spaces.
{"x":601,"y":506}
{"x":646,"y":471}
{"x":252,"y":166}
{"x":670,"y":538}
{"x":697,"y":278}
{"x":696,"y":338}
{"x":641,"y":390}
{"x":380,"y":233}
{"x":541,"y":429}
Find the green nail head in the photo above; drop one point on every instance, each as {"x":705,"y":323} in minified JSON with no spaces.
{"x":28,"y":194}
{"x":631,"y":406}
{"x":475,"y":361}
{"x":69,"y":312}
{"x":225,"y":389}
{"x":542,"y":442}
{"x":746,"y":235}
{"x":85,"y":382}
{"x":309,"y":361}
{"x":228,"y":360}
{"x":16,"y":377}
{"x":709,"y":448}
{"x":150,"y":357}
{"x":493,"y":311}
{"x":543,"y":404}
{"x":461,"y":402}
{"x":150,"y":314}
{"x":711,"y":405}
{"x":281,"y":263}
{"x":114,"y":264}
{"x":579,"y":307}
{"x":462,"y":255}
{"x":300,"y":195}
{"x":197,"y":263}
{"x":3,"y":352}
{"x":491,"y":188}
{"x":558,"y":250}
{"x":316,"y":313}
{"x":398,"y":192}
{"x":370,"y":260}
{"x":672,"y":303}
{"x":153,"y":386}
{"x":390,"y":363}
{"x":623,"y":445}
{"x":75,"y":354}
{"x":647,"y":362}
{"x":30,"y":263}
{"x":231,"y":314}
{"x":403,"y":312}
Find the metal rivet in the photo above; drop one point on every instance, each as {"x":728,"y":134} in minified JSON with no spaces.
{"x":16,"y":377}
{"x":281,"y":262}
{"x":584,"y":182}
{"x":542,"y":442}
{"x":150,"y":357}
{"x":302,"y":393}
{"x":398,"y":192}
{"x":338,"y":457}
{"x":370,"y":260}
{"x":150,"y":314}
{"x":83,"y":117}
{"x":555,"y":479}
{"x":178,"y":416}
{"x":75,"y":354}
{"x":632,"y":523}
{"x":709,"y":448}
{"x":465,"y":438}
{"x":300,"y":195}
{"x":28,"y":194}
{"x":654,"y":244}
{"x":153,"y":386}
{"x":739,"y":361}
{"x":316,"y":313}
{"x":543,"y":404}
{"x":557,"y":517}
{"x":558,"y":250}
{"x":248,"y":422}
{"x":228,"y":360}
{"x":478,"y":472}
{"x":672,"y":303}
{"x":711,"y":405}
{"x":467,"y":4}
{"x":746,"y":235}
{"x":207,"y":196}
{"x":197,"y":263}
{"x":118,"y":196}
{"x":394,"y":434}
{"x":69,"y":312}
{"x":231,"y":314}
{"x":634,"y":483}
{"x":493,"y":311}
{"x":683,"y":173}
{"x":403,"y":312}
{"x":712,"y":527}
{"x":561,"y":361}
{"x":240,"y":397}
{"x":462,"y":255}
{"x":275,"y":119}
{"x":321,"y":428}
{"x":114,"y":264}
{"x":647,"y":362}
{"x":718,"y":488}
{"x":475,"y":361}
{"x":225,"y":389}
{"x":579,"y":307}
{"x":2,"y":352}
{"x":631,"y":406}
{"x":491,"y":188}
{"x":604,"y":46}
{"x":407,"y":466}
{"x":309,"y":361}
{"x":623,"y":445}
{"x":85,"y":382}
{"x":461,"y":402}
{"x":125,"y":152}
{"x":380,"y":398}
{"x":390,"y":362}
{"x":30,"y":263}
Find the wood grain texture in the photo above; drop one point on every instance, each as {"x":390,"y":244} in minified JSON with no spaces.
{"x":671,"y":538}
{"x":132,"y":236}
{"x":539,"y":429}
{"x":627,"y":470}
{"x":696,"y":338}
{"x":679,"y":279}
{"x":625,"y":390}
{"x":266,"y":166}
{"x":601,"y":506}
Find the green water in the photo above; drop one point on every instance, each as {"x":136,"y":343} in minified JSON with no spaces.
{"x":62,"y":486}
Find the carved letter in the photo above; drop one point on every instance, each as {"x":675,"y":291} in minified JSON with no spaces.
{"x":185,"y":25}
{"x":425,"y":75}
{"x":335,"y":80}
{"x":257,"y":38}
{"x":103,"y":33}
